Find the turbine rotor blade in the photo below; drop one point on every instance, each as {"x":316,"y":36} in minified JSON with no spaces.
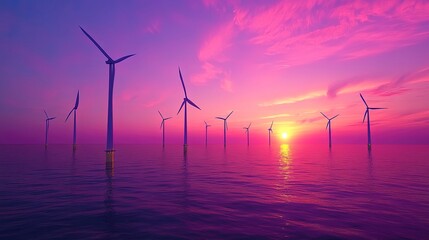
{"x":167,"y":118}
{"x":96,"y":44}
{"x":183,"y":83}
{"x":324,"y":115}
{"x":77,"y":100}
{"x":334,"y":116}
{"x":327,"y":124}
{"x":46,"y":114}
{"x":69,"y":114}
{"x":123,"y":58}
{"x":183,"y":103}
{"x":364,"y":116}
{"x":229,"y":114}
{"x":377,"y":108}
{"x":193,"y":104}
{"x":160,"y":114}
{"x":272,"y":124}
{"x":162,"y":123}
{"x":221,"y":118}
{"x":363,"y":100}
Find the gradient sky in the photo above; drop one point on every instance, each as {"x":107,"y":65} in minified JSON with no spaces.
{"x":281,"y":61}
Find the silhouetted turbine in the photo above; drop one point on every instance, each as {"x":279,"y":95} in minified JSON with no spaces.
{"x":270,"y":130}
{"x":47,"y":127}
{"x":74,"y":119}
{"x":185,"y":102}
{"x":329,"y":124}
{"x":111,"y":62}
{"x":247,"y":132}
{"x":225,"y":127}
{"x":366,"y":115}
{"x":163,"y":127}
{"x":206,"y":130}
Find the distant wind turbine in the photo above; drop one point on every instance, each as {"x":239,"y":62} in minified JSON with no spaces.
{"x":47,"y":127}
{"x":207,"y":126}
{"x":111,"y":62}
{"x":74,"y":119}
{"x":163,"y":127}
{"x":185,"y":102}
{"x":270,"y":130}
{"x":366,"y":115}
{"x":247,"y":132}
{"x":225,"y":126}
{"x":329,"y":125}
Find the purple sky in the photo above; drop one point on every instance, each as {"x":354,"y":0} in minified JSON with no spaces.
{"x":281,"y":61}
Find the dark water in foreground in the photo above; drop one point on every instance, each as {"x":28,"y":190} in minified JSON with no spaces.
{"x":239,"y":193}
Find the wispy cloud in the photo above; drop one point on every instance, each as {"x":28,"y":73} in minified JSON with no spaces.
{"x":276,"y":116}
{"x":307,"y":96}
{"x":347,"y":30}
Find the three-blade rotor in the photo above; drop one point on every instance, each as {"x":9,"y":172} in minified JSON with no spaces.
{"x":186,"y":99}
{"x":367,"y":108}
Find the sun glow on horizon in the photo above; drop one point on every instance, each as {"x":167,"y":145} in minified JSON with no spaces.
{"x":284,"y":135}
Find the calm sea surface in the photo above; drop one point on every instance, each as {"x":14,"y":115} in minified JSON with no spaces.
{"x":256,"y":192}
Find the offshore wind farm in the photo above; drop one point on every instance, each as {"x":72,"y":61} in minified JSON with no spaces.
{"x":296,"y":159}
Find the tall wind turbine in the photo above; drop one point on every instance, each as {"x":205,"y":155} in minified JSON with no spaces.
{"x":47,"y":127}
{"x":225,"y":127}
{"x":366,"y":115}
{"x":247,"y":132}
{"x":270,"y":130}
{"x":74,"y":119}
{"x":185,"y":102}
{"x":111,"y":62}
{"x":329,"y":124}
{"x":207,"y":126}
{"x":163,"y":127}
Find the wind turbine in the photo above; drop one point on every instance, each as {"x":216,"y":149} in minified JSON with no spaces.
{"x":47,"y":127}
{"x":206,"y":130}
{"x":185,"y":102}
{"x":225,"y":127}
{"x":329,"y":124}
{"x":74,"y":120}
{"x":247,"y":132}
{"x":163,"y":127}
{"x":111,"y":62}
{"x":366,"y":115}
{"x":270,"y":130}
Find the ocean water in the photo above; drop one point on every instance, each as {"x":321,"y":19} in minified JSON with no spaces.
{"x":256,"y":192}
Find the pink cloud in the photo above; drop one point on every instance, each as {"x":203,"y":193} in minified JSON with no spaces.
{"x":153,"y":27}
{"x":349,"y":30}
{"x":216,"y":43}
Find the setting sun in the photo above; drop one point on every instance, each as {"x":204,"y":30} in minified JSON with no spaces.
{"x":284,"y":135}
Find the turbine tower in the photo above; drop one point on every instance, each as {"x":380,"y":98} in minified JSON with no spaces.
{"x":247,"y":132}
{"x":366,"y":115}
{"x":111,"y":63}
{"x":74,"y":119}
{"x":270,"y":130}
{"x":163,"y":127}
{"x":225,"y":127}
{"x":185,"y":102}
{"x":329,"y":124}
{"x":207,"y":126}
{"x":47,"y":127}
